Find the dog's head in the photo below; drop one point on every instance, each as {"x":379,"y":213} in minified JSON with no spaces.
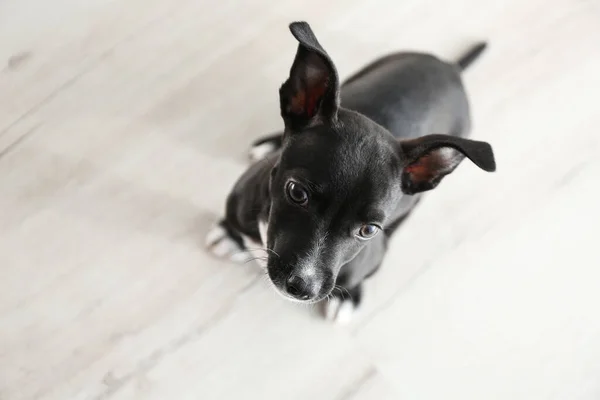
{"x":340,"y":176}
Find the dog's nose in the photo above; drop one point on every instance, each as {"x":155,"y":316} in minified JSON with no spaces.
{"x":297,"y":287}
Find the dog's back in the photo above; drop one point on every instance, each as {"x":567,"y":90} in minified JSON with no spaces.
{"x":411,"y":95}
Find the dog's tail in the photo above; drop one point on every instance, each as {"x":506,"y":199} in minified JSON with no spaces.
{"x":471,"y":55}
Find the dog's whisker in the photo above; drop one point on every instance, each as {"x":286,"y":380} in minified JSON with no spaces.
{"x":254,"y":248}
{"x":266,"y":249}
{"x":342,"y":290}
{"x":254,"y":259}
{"x":241,"y":251}
{"x":347,"y":291}
{"x":273,"y":251}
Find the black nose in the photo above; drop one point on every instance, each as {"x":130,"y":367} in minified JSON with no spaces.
{"x":297,"y":287}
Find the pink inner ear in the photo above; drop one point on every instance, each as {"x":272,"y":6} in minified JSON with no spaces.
{"x":297,"y":102}
{"x":436,"y":164}
{"x":424,"y":169}
{"x":305,"y":101}
{"x":314,"y":95}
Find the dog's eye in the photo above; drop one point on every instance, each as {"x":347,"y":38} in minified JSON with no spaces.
{"x":297,"y":193}
{"x":367,"y":231}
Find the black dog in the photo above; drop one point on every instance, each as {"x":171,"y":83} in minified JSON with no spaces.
{"x":348,"y":168}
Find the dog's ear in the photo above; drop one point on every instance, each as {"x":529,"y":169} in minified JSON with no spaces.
{"x":429,"y":158}
{"x":311,"y":93}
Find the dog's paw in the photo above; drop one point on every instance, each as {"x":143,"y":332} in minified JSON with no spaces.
{"x":261,"y":150}
{"x":339,"y":310}
{"x":221,"y":244}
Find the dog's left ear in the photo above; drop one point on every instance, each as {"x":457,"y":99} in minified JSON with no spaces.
{"x":430,"y":158}
{"x":311,"y":93}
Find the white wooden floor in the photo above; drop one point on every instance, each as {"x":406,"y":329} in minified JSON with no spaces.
{"x":123,"y":125}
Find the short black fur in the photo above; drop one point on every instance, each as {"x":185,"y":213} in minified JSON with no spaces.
{"x":363,"y":152}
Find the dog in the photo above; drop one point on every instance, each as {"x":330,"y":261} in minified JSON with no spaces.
{"x":324,"y":195}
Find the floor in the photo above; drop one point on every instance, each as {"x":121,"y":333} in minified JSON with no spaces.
{"x":123,"y":125}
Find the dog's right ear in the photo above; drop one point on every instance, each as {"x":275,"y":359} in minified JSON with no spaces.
{"x":429,"y":158}
{"x":311,"y":93}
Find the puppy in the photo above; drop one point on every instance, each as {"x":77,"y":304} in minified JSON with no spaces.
{"x":352,"y":162}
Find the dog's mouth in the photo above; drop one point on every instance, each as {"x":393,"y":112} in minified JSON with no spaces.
{"x":295,"y":300}
{"x":300,"y":301}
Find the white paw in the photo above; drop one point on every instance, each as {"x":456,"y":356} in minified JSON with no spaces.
{"x":339,"y":311}
{"x":260,"y":151}
{"x":222,"y":245}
